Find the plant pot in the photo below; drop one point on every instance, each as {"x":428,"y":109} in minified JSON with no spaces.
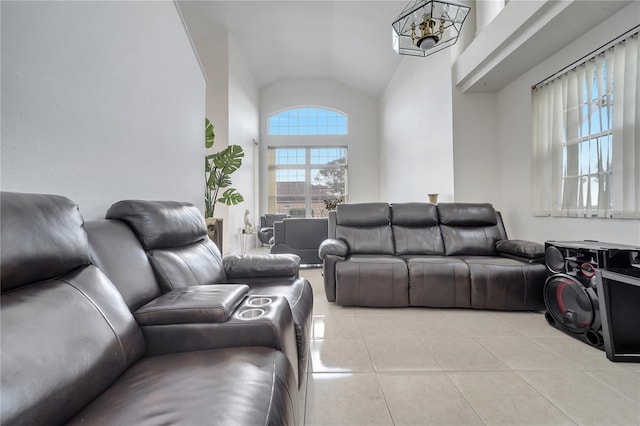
{"x":214,"y":230}
{"x":433,"y":198}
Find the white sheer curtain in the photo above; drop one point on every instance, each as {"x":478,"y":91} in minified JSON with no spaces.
{"x":586,"y":138}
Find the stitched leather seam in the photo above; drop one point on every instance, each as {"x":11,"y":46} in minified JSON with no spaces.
{"x":95,"y":305}
{"x":189,"y":268}
{"x":217,"y":259}
{"x":273,"y":386}
{"x":160,"y":270}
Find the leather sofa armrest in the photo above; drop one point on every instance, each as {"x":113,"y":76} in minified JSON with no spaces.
{"x":192,"y":305}
{"x":333,"y":247}
{"x":261,"y":265}
{"x":527,"y":251}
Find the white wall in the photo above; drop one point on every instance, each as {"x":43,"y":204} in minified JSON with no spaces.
{"x":101,"y":101}
{"x":514,"y":134}
{"x":476,"y":154}
{"x":416,"y":136}
{"x":362,"y":140}
{"x":244,"y":127}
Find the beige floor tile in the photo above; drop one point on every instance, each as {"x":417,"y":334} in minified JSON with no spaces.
{"x":520,"y":353}
{"x":528,"y":323}
{"x":461,"y":353}
{"x":389,"y":327}
{"x":426,"y":399}
{"x":624,"y":382}
{"x":504,"y":398}
{"x":345,"y":399}
{"x":480,"y":323}
{"x":583,"y":356}
{"x":335,"y":327}
{"x":401,"y":354}
{"x":340,"y":356}
{"x":586,"y":400}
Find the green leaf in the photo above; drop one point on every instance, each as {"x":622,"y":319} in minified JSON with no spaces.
{"x":229,"y":159}
{"x":209,"y":136}
{"x":231,"y":197}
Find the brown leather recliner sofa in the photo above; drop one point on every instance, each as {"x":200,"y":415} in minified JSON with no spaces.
{"x":422,"y":254}
{"x":98,"y":327}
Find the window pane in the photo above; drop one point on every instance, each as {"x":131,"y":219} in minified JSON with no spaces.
{"x":308,"y":121}
{"x":301,"y":187}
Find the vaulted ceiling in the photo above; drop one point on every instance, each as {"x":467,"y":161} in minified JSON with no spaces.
{"x":349,"y":41}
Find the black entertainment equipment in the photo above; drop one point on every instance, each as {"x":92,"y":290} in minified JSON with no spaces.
{"x":619,"y":297}
{"x":570,"y":291}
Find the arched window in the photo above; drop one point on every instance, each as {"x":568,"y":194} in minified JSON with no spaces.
{"x":308,"y":121}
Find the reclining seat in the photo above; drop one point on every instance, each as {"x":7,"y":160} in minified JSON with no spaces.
{"x":72,"y":351}
{"x":435,"y":280}
{"x":360,"y":256}
{"x":265,"y":233}
{"x":174,"y":236}
{"x":475,"y":234}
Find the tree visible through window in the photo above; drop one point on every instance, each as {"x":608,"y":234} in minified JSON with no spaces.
{"x":301,"y":178}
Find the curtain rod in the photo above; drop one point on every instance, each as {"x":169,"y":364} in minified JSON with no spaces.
{"x":589,"y":55}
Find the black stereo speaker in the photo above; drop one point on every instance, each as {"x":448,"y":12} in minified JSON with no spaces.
{"x":570,"y":291}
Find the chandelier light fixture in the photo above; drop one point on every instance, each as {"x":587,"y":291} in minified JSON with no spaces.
{"x":425,"y":27}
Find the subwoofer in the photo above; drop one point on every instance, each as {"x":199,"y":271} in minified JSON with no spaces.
{"x":570,"y":293}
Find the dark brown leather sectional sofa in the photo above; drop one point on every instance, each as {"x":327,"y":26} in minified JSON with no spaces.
{"x":421,"y":254}
{"x":137,"y":319}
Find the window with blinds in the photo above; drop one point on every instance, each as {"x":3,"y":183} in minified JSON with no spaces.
{"x":586,"y":142}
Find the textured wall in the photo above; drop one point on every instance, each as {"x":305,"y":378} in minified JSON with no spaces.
{"x":101,"y":101}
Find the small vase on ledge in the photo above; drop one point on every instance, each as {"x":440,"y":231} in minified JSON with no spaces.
{"x":433,"y":198}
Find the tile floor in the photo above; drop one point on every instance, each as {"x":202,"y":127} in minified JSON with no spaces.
{"x":421,"y":366}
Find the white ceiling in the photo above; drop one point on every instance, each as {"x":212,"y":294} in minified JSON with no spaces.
{"x":349,"y":41}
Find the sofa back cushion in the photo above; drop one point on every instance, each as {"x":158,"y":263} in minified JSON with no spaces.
{"x":268,"y":219}
{"x":365,"y":227}
{"x":415,"y":229}
{"x":175,"y":236}
{"x":67,"y":334}
{"x":469,"y":228}
{"x":301,"y":232}
{"x":116,"y":250}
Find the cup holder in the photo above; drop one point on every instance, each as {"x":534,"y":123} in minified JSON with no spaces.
{"x":252,"y":313}
{"x":259,"y":301}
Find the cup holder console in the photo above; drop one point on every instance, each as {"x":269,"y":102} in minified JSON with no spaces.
{"x":252,"y":313}
{"x":259,"y":301}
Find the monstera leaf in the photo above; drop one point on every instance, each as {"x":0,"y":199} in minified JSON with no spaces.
{"x":217,"y":168}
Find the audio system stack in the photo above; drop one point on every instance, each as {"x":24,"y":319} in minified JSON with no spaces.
{"x":570,"y":291}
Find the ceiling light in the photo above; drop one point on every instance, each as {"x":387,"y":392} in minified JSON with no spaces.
{"x":425,"y":27}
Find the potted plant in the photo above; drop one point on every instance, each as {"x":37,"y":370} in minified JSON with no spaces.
{"x":217,"y":170}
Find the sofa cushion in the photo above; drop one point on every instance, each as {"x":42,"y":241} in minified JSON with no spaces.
{"x":506,"y":284}
{"x":372,"y":280}
{"x":115,"y":249}
{"x":415,"y":229}
{"x":363,"y":214}
{"x":64,"y":341}
{"x":199,"y":263}
{"x":414,"y":214}
{"x":469,"y":229}
{"x":520,"y":248}
{"x":191,"y":305}
{"x":467,"y":214}
{"x":269,"y":218}
{"x":161,"y":224}
{"x":239,"y":386}
{"x":365,"y":228}
{"x":438,"y":281}
{"x":42,"y":237}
